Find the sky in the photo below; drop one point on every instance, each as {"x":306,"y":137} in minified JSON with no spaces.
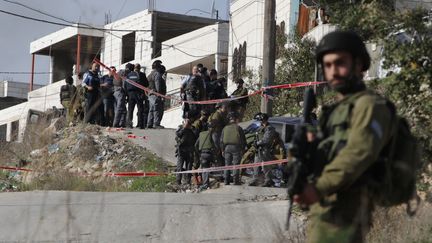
{"x":17,"y":33}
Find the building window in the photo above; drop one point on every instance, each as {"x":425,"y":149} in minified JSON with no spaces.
{"x":239,"y":61}
{"x":128,"y":47}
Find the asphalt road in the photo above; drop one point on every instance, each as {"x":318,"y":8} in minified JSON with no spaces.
{"x":231,"y":214}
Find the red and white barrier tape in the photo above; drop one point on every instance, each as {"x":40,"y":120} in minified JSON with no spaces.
{"x":205,"y":102}
{"x":234,"y":167}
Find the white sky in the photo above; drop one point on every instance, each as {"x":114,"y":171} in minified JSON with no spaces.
{"x":17,"y":33}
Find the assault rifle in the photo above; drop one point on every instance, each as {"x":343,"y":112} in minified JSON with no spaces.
{"x":301,"y":164}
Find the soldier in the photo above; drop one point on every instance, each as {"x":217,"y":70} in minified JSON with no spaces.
{"x":135,"y":97}
{"x":67,"y":91}
{"x":205,"y":147}
{"x":265,"y":138}
{"x":107,"y":90}
{"x":217,"y":121}
{"x":186,"y":139}
{"x":156,"y":103}
{"x":93,"y":108}
{"x":233,"y":143}
{"x":240,"y":105}
{"x":354,"y":133}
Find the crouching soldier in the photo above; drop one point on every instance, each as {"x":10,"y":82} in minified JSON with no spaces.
{"x":233,"y":142}
{"x":185,"y":138}
{"x":206,"y":149}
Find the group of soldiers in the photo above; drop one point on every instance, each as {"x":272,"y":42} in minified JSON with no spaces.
{"x":216,"y":139}
{"x":103,"y":100}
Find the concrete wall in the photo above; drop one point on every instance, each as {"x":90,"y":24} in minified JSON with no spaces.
{"x":202,"y":43}
{"x":41,"y":99}
{"x":247,"y":25}
{"x":16,"y":89}
{"x":111,"y":53}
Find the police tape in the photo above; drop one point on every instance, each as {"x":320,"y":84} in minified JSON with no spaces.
{"x":154,"y":174}
{"x":233,"y":167}
{"x":135,"y":174}
{"x":206,"y":102}
{"x":14,"y":168}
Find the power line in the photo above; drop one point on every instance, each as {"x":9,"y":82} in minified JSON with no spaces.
{"x":18,"y":72}
{"x":68,"y":25}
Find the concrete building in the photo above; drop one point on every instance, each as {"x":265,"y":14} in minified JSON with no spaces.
{"x":12,"y":94}
{"x":180,"y":41}
{"x":246,"y":33}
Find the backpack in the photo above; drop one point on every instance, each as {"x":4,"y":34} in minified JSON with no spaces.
{"x":394,"y":175}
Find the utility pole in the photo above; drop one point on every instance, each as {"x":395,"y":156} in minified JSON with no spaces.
{"x":269,"y":53}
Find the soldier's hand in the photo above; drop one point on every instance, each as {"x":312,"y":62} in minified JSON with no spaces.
{"x":308,"y":196}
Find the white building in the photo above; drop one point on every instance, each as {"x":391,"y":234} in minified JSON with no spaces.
{"x":179,"y":41}
{"x":247,"y":33}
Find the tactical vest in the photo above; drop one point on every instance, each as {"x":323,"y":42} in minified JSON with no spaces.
{"x":66,"y":92}
{"x":133,"y":76}
{"x":217,"y":121}
{"x":205,"y":141}
{"x":231,"y":135}
{"x":187,"y":140}
{"x":335,"y":125}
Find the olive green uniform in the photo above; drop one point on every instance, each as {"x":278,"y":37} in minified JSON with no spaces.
{"x":233,"y":142}
{"x":205,"y":147}
{"x":217,"y":121}
{"x":355,"y":132}
{"x":185,"y":138}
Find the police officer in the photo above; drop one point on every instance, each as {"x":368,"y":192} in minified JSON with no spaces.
{"x":185,"y":138}
{"x":146,"y":105}
{"x":354,"y":132}
{"x":107,"y":91}
{"x":67,"y":91}
{"x":233,"y":143}
{"x":156,"y":103}
{"x":240,"y":105}
{"x":135,"y":97}
{"x":120,"y":97}
{"x":265,"y":137}
{"x":93,"y":106}
{"x":193,"y":89}
{"x":205,"y":147}
{"x":218,"y":120}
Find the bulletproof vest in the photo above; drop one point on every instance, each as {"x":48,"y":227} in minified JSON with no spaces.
{"x":205,"y":141}
{"x":335,"y":125}
{"x":231,"y":135}
{"x":187,"y":140}
{"x":66,"y":92}
{"x":135,"y":77}
{"x":217,"y":121}
{"x":193,"y":85}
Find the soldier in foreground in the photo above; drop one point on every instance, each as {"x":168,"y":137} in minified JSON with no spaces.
{"x":354,"y":132}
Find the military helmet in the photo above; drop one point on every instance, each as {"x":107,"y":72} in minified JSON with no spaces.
{"x":343,"y":41}
{"x":239,"y":81}
{"x":261,"y":116}
{"x":156,"y":64}
{"x":233,"y":115}
{"x":220,"y":104}
{"x":205,"y":112}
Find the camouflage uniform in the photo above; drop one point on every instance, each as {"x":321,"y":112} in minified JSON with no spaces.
{"x":217,"y":121}
{"x":233,"y":142}
{"x":355,"y":132}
